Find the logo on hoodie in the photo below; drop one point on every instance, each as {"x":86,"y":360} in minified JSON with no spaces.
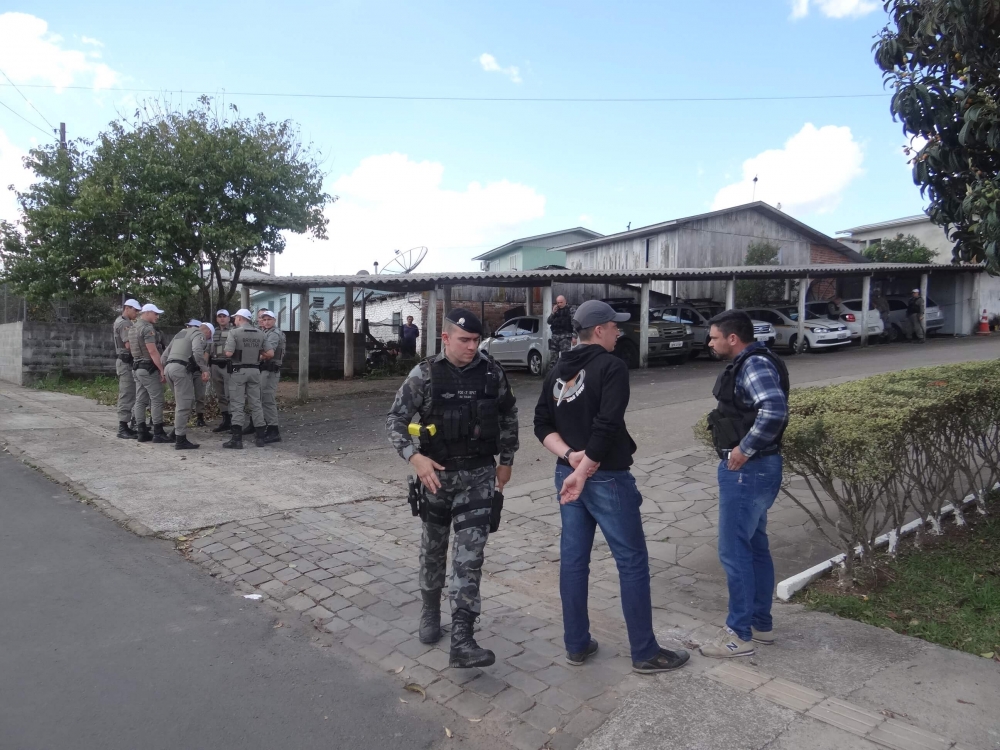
{"x":568,"y":390}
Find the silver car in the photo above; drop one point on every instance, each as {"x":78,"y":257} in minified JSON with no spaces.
{"x":517,"y":343}
{"x":697,"y":316}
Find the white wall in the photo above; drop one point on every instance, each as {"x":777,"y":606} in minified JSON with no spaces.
{"x":930,"y":234}
{"x":380,"y":310}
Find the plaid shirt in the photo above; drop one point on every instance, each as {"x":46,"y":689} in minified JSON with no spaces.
{"x":758,"y":385}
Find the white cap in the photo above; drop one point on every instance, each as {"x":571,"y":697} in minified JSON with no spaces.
{"x":132,"y":303}
{"x":268,"y":313}
{"x":210,"y":327}
{"x":193,"y":323}
{"x":244,"y":313}
{"x":917,"y":291}
{"x":150,"y":307}
{"x":222,"y":312}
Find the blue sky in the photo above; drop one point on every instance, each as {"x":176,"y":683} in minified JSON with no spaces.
{"x":461,"y":177}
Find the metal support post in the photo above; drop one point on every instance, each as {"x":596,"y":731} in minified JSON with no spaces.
{"x":731,"y":293}
{"x":348,"y":331}
{"x":644,"y":324}
{"x":430,"y":343}
{"x":866,"y":294}
{"x":446,"y":307}
{"x":303,"y":351}
{"x":546,"y":333}
{"x":788,"y":290}
{"x":800,"y":341}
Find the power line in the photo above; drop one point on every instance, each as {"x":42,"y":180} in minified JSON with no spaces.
{"x":550,"y":100}
{"x":18,"y":114}
{"x":27,"y":100}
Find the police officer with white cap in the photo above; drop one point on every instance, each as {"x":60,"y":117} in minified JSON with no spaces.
{"x":148,"y":371}
{"x":123,"y":368}
{"x":220,"y":372}
{"x":270,"y":373}
{"x":181,"y":363}
{"x":244,"y":346}
{"x":200,"y":351}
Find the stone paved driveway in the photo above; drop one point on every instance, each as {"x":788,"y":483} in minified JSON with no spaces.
{"x":352,"y":570}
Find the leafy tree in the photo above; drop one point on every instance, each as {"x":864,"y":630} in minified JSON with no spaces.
{"x":172,"y":205}
{"x":899,"y":249}
{"x":754,"y":292}
{"x":942,"y":57}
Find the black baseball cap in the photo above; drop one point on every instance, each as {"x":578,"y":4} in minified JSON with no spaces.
{"x":593,"y":312}
{"x":465,"y":320}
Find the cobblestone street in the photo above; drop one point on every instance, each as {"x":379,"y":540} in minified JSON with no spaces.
{"x":352,"y":571}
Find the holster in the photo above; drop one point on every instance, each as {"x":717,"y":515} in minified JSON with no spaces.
{"x":496,"y":508}
{"x":126,"y":357}
{"x":725,"y":431}
{"x":415,"y":495}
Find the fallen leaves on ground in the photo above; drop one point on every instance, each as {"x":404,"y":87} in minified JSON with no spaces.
{"x":415,"y":688}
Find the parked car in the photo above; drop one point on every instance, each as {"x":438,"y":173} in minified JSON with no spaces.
{"x":933,"y":317}
{"x":851,"y":319}
{"x":820,"y":331}
{"x":517,"y":343}
{"x":697,"y":315}
{"x":668,"y":340}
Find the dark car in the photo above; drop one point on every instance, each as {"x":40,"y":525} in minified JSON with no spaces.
{"x":669,"y":341}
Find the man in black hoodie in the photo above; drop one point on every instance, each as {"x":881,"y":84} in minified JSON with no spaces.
{"x":580,"y":417}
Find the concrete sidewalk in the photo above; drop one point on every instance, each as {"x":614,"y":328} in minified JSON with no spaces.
{"x":341,"y":548}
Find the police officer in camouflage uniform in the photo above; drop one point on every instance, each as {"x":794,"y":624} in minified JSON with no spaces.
{"x":465,"y":397}
{"x":147,"y":367}
{"x":123,"y":367}
{"x":220,"y":369}
{"x":200,"y":353}
{"x":561,"y":324}
{"x":181,"y":364}
{"x":270,"y":373}
{"x":244,"y":347}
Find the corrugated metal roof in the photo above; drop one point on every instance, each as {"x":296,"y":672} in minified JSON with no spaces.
{"x":887,"y":224}
{"x":426,"y":281}
{"x":525,"y":240}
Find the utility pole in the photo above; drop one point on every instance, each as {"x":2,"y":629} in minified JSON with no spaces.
{"x":62,"y":136}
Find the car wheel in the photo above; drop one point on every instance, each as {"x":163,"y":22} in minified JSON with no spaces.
{"x":792,"y":348}
{"x":628,"y":353}
{"x":535,"y":363}
{"x":894,"y":333}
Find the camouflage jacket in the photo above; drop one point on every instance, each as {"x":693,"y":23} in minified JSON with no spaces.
{"x":414,"y":398}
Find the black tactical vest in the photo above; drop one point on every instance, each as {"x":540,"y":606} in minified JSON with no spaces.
{"x":464,"y":409}
{"x":730,"y":421}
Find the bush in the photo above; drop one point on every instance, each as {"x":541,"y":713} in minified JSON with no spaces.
{"x":875,"y":452}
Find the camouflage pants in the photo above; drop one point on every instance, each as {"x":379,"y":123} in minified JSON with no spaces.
{"x":563,"y":342}
{"x":459,"y":489}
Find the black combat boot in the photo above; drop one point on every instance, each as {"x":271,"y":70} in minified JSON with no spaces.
{"x":181,"y":443}
{"x":159,"y":436}
{"x":430,"y":617}
{"x":272,"y":434}
{"x":249,"y":429}
{"x":125,"y":432}
{"x":260,"y":442}
{"x":200,"y":422}
{"x":236,"y":441}
{"x":465,"y":652}
{"x":143,"y":432}
{"x":227,"y":423}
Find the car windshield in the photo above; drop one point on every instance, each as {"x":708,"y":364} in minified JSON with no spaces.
{"x":793,"y":313}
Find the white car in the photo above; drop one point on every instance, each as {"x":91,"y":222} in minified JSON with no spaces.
{"x":517,"y":343}
{"x":820,"y":332}
{"x":851,"y":317}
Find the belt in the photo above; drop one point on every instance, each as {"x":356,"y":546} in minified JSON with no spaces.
{"x":772,"y":451}
{"x":178,"y":362}
{"x":237,"y":368}
{"x":467,"y":463}
{"x":144,"y":364}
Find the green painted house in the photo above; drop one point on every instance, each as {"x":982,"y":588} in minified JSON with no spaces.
{"x":534,"y":252}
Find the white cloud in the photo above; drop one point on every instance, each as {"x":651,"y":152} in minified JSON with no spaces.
{"x":90,"y":40}
{"x":390,"y":202}
{"x":834,"y":8}
{"x":30,"y":54}
{"x":12,"y":172}
{"x":807,"y":176}
{"x":585,"y":219}
{"x":490,"y":65}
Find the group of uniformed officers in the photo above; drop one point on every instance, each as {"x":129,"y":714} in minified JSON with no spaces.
{"x":241,"y":361}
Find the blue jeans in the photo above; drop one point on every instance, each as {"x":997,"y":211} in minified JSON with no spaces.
{"x":610,"y":500}
{"x":744,"y":498}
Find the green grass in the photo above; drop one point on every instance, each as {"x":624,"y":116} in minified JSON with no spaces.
{"x":101,"y":388}
{"x":946,"y":593}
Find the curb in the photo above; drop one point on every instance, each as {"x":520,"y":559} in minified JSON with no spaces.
{"x":788,"y":587}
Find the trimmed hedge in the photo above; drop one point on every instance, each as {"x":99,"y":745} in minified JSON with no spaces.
{"x":878,"y":451}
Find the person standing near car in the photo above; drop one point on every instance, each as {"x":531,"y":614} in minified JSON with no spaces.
{"x":746,"y":428}
{"x":561,"y":325}
{"x":915,"y":309}
{"x":580,"y":417}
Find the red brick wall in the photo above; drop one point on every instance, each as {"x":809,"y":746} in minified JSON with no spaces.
{"x":492,"y":314}
{"x":822,"y":289}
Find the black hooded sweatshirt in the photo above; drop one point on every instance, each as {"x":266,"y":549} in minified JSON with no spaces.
{"x":584,"y":399}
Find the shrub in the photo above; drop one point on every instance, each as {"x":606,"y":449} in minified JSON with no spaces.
{"x":875,"y":452}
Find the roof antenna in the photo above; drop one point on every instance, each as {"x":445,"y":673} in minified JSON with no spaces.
{"x":628,"y":227}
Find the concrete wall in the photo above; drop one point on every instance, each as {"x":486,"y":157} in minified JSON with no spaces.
{"x":930,"y":234}
{"x":11,"y":353}
{"x":326,"y":355}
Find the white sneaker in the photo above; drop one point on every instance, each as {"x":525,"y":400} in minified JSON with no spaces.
{"x":727,"y":645}
{"x":763,"y":637}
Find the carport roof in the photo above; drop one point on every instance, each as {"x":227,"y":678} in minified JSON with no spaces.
{"x":411,"y":282}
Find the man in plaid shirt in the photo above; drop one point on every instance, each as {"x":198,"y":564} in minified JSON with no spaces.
{"x":746,"y":428}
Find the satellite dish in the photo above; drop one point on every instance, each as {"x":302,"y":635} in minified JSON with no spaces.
{"x":404,"y":261}
{"x":363,"y":272}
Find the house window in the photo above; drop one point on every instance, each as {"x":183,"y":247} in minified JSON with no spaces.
{"x":317,"y":303}
{"x":515,"y":261}
{"x":397,"y":319}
